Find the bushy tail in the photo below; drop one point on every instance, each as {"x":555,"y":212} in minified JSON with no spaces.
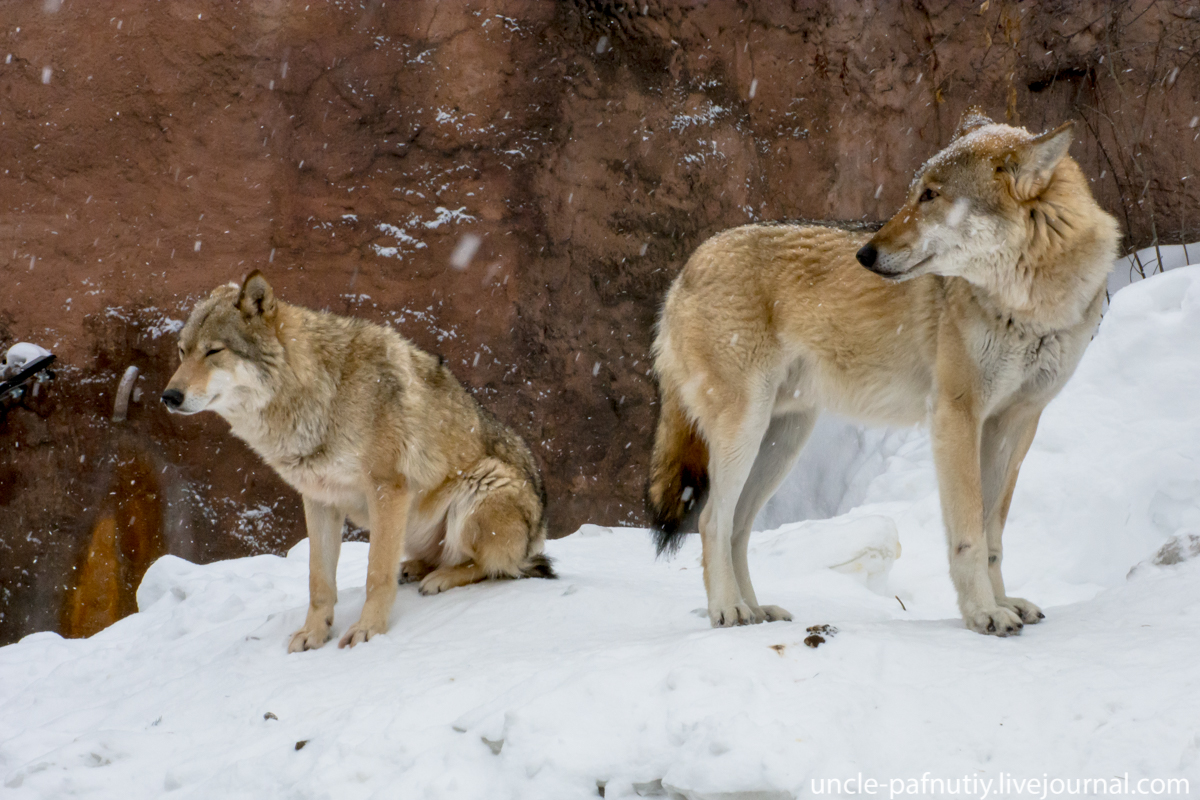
{"x":538,"y":566}
{"x":678,"y":475}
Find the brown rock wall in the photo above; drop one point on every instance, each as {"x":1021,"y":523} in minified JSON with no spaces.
{"x":346,"y":148}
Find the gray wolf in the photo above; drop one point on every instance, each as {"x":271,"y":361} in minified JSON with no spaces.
{"x":969,"y":309}
{"x":365,"y":425}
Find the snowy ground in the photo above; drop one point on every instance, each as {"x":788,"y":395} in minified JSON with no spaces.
{"x":612,"y":676}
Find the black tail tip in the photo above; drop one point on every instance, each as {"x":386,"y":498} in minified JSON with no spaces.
{"x":671,"y":521}
{"x":667,"y":541}
{"x":540,"y":566}
{"x":669,"y":529}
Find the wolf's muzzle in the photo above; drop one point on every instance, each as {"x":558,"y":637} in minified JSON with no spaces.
{"x":172,"y":399}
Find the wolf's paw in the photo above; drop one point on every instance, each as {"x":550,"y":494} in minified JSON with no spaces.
{"x":1027,"y":611}
{"x":772,"y":614}
{"x":735,"y":614}
{"x":414,"y":570}
{"x":310,"y":637}
{"x":997,"y":621}
{"x":437,"y":581}
{"x":360,"y":632}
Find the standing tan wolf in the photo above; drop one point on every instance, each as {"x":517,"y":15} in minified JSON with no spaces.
{"x":365,"y":425}
{"x":969,"y":309}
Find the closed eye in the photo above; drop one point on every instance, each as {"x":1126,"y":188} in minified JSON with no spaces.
{"x":214,"y":351}
{"x":927,"y":195}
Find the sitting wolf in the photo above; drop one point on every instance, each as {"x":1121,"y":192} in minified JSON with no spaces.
{"x":365,"y":425}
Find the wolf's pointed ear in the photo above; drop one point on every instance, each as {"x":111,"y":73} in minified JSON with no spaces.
{"x":1037,"y":159}
{"x":971,"y":119}
{"x":256,"y":297}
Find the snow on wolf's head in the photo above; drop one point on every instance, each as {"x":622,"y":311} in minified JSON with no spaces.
{"x":969,"y":207}
{"x":226,"y":350}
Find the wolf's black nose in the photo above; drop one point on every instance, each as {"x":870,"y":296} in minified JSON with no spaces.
{"x":866,"y":255}
{"x":173,"y":398}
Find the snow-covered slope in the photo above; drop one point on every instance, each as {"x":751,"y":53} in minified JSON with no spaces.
{"x":1151,"y":261}
{"x":609,"y":676}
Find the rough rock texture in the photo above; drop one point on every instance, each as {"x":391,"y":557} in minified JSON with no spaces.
{"x":152,"y":150}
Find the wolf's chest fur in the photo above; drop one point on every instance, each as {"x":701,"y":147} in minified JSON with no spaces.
{"x":332,"y":480}
{"x":1014,"y":359}
{"x":311,"y":458}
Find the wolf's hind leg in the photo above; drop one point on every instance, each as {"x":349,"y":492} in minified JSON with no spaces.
{"x":494,"y":538}
{"x":444,"y":578}
{"x":324,"y":525}
{"x":414,"y":570}
{"x":733,"y":448}
{"x":777,"y":453}
{"x":1006,"y":440}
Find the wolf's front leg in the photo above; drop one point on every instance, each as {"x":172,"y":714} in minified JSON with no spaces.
{"x":324,"y":525}
{"x":956,"y":436}
{"x":387,"y":505}
{"x":1006,"y":440}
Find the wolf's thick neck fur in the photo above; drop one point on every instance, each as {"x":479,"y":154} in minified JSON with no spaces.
{"x":297,"y":386}
{"x":1068,"y":251}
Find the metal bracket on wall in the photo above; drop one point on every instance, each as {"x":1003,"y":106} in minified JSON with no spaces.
{"x":28,"y":371}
